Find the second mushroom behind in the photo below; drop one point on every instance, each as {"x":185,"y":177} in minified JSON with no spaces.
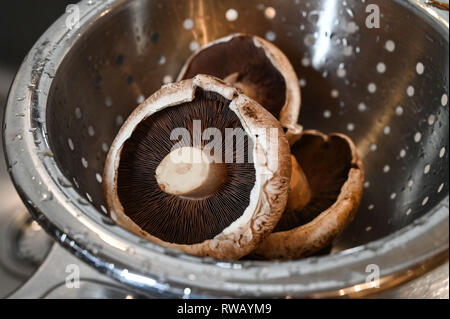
{"x":256,"y":67}
{"x":335,"y":182}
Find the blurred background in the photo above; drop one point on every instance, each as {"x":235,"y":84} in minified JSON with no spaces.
{"x":23,"y":245}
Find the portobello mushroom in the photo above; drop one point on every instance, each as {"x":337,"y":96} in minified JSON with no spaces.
{"x":204,"y":207}
{"x":335,"y":176}
{"x":258,"y":68}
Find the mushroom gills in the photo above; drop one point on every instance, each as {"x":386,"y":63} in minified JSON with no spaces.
{"x":197,"y":212}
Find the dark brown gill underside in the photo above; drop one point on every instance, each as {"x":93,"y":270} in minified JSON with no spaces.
{"x":172,"y":218}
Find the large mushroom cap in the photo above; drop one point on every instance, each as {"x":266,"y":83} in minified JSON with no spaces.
{"x":336,"y":177}
{"x":242,"y":201}
{"x":257,"y":67}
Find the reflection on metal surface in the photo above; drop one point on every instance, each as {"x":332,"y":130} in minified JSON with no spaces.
{"x":90,"y":290}
{"x":325,"y":28}
{"x":432,"y":285}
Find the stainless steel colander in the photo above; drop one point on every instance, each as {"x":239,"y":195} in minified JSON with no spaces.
{"x":385,"y":87}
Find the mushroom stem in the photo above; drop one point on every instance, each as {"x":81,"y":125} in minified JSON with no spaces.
{"x":189,"y":172}
{"x":247,"y":89}
{"x":299,"y":194}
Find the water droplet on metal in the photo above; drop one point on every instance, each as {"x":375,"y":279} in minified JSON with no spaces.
{"x":47,"y":196}
{"x":350,"y":12}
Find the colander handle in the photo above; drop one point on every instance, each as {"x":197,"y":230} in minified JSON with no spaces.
{"x":57,"y":276}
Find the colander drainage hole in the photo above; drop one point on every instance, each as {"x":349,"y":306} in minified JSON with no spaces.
{"x":78,"y":113}
{"x":108,"y":101}
{"x":232,"y":15}
{"x":302,"y":83}
{"x":270,"y":13}
{"x":188,"y":24}
{"x":390,"y":46}
{"x":194,"y":45}
{"x":84,"y":162}
{"x":70,"y":143}
{"x":162,"y":60}
{"x":381,"y":67}
{"x":444,"y":99}
{"x":417,"y":137}
{"x":91,"y":131}
{"x":105,"y":147}
{"x":271,"y":36}
{"x":167,"y":79}
{"x":420,"y":68}
{"x":119,"y":120}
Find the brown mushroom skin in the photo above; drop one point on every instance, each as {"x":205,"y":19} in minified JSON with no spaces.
{"x":315,"y":235}
{"x":253,"y":226}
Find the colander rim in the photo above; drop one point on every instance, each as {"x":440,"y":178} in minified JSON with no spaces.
{"x":121,"y":249}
